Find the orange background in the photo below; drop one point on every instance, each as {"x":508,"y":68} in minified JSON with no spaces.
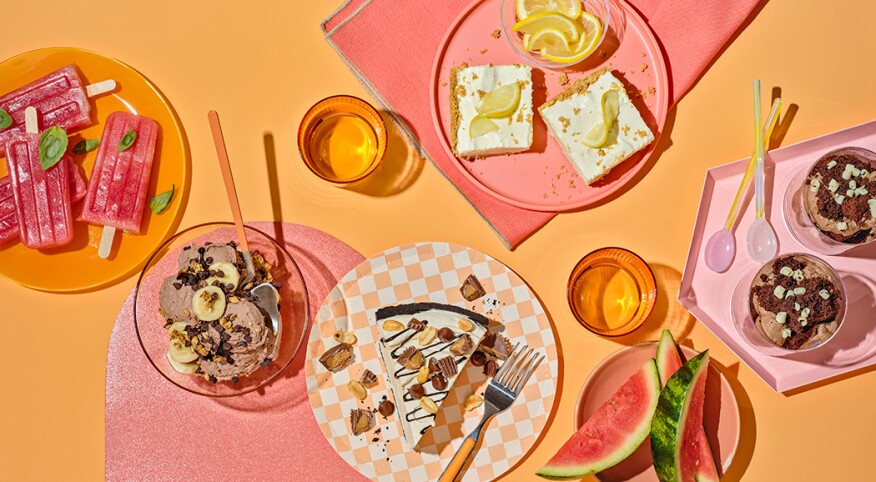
{"x":262,"y":64}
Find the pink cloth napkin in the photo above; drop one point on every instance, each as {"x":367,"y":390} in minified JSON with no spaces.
{"x":390,"y":46}
{"x":156,"y":431}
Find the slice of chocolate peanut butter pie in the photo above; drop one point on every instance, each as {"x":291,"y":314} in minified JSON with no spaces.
{"x":424,"y":347}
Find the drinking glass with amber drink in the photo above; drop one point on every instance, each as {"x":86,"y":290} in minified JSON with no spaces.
{"x":342,"y":139}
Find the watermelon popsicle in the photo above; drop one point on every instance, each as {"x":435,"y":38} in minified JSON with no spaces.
{"x":41,"y":196}
{"x":8,"y":213}
{"x":117,"y":189}
{"x":60,"y":98}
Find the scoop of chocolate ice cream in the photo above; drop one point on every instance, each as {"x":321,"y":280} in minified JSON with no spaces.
{"x":795,"y":302}
{"x":213,"y":253}
{"x":839,"y":196}
{"x":175,"y":301}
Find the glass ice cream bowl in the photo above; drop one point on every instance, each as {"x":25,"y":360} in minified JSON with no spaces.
{"x":229,"y":337}
{"x":753,"y":332}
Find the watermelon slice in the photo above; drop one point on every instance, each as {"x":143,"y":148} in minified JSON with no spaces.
{"x":678,"y":422}
{"x":706,"y":470}
{"x":668,"y":362}
{"x":613,"y":432}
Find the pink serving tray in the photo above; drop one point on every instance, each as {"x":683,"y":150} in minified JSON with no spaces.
{"x":542,"y":179}
{"x":707,"y":294}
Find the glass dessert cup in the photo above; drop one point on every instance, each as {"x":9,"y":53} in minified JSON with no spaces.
{"x":743,"y":321}
{"x":150,"y":324}
{"x":611,"y":291}
{"x":797,"y":218}
{"x":598,"y":8}
{"x":342,"y":139}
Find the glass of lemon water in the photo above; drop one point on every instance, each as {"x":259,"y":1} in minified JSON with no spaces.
{"x":342,"y":139}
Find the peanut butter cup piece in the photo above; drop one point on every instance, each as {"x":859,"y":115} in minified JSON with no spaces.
{"x":337,"y":358}
{"x":462,"y":346}
{"x":491,"y":368}
{"x":471,"y":288}
{"x":411,"y":358}
{"x":496,"y":345}
{"x":361,"y":421}
{"x":368,"y":378}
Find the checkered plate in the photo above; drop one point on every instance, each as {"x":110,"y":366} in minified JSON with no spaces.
{"x":417,"y":273}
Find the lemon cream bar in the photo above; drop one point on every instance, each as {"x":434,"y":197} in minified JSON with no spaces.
{"x":488,"y":115}
{"x":576,"y":115}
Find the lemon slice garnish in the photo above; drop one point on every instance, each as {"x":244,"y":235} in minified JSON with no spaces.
{"x":527,"y":8}
{"x":591,"y":29}
{"x":548,"y":37}
{"x":480,"y":126}
{"x":540,"y":21}
{"x":598,"y":134}
{"x":500,"y":102}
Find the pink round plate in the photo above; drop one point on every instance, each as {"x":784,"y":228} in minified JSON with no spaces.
{"x":721,"y":412}
{"x":542,"y":179}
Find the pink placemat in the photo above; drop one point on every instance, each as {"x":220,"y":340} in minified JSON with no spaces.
{"x":389,"y":46}
{"x":155,"y":431}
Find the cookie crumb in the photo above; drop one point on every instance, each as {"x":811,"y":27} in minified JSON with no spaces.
{"x":563,"y":79}
{"x":496,"y":33}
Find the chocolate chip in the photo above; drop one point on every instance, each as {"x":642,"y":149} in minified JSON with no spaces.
{"x":177,"y":285}
{"x":490,"y":368}
{"x":213,"y":379}
{"x":478,"y":358}
{"x":439,"y":382}
{"x":445,"y":334}
{"x":386,"y":408}
{"x":417,"y":391}
{"x":209,"y":260}
{"x":234,"y":380}
{"x":266,"y":363}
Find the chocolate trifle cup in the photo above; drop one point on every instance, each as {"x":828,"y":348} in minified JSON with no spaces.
{"x":831,"y":206}
{"x":793,"y":303}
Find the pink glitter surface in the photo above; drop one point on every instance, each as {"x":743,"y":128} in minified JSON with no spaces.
{"x":156,"y":431}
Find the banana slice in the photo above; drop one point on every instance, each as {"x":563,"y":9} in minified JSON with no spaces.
{"x":178,"y":351}
{"x":184,"y":368}
{"x":177,"y":327}
{"x":230,"y":275}
{"x":208,"y":303}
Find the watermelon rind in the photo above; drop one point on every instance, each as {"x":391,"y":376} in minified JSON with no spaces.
{"x":668,"y":359}
{"x":556,"y":470}
{"x":668,"y":423}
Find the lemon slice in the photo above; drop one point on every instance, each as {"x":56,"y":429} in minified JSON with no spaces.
{"x":540,"y":21}
{"x":548,"y":37}
{"x":591,"y":31}
{"x":480,"y":126}
{"x":500,"y":102}
{"x":527,"y":8}
{"x":599,"y":132}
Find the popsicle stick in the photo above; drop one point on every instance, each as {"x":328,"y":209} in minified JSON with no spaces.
{"x":30,"y":121}
{"x":221,"y":152}
{"x":100,"y":88}
{"x":106,"y":242}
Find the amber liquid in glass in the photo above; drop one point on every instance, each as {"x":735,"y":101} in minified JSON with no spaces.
{"x":607,"y":296}
{"x":343,"y":146}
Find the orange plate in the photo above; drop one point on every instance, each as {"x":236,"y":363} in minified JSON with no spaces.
{"x":76,"y":266}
